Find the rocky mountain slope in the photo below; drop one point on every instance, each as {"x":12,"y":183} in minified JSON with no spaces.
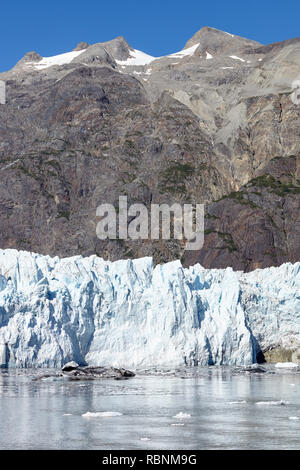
{"x":214,"y":123}
{"x":130,"y":314}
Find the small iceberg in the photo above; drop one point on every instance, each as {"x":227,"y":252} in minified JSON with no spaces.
{"x":238,"y":402}
{"x":101,"y":414}
{"x":286,"y":365}
{"x":182,"y":415}
{"x":272,"y":403}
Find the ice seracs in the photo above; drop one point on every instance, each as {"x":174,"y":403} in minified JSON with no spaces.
{"x":129,"y":313}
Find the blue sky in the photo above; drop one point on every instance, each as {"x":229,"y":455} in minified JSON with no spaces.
{"x":156,"y":27}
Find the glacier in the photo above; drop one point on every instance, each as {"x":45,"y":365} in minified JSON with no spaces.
{"x":129,"y":313}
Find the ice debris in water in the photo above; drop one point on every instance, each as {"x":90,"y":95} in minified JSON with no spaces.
{"x":101,"y":414}
{"x":286,"y":365}
{"x":182,"y":415}
{"x":272,"y":403}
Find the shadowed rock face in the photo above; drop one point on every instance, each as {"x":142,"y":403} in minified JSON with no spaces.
{"x":181,"y":128}
{"x":257,"y":226}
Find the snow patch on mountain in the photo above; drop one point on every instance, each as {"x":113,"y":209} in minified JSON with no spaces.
{"x":60,"y":59}
{"x":137,"y":58}
{"x":237,"y":58}
{"x":140,"y":58}
{"x":185,"y":52}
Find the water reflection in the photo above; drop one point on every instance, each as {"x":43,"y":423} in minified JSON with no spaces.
{"x":222,"y":406}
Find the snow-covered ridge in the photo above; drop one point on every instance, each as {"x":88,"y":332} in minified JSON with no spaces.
{"x":136,"y":58}
{"x":140,"y":58}
{"x":128,"y":313}
{"x":60,"y":59}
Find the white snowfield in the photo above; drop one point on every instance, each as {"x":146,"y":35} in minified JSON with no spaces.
{"x":136,"y":58}
{"x":60,"y":59}
{"x":141,"y":58}
{"x":130,"y":314}
{"x":185,"y":52}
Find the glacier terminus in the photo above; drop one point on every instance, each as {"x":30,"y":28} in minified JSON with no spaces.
{"x":129,"y":313}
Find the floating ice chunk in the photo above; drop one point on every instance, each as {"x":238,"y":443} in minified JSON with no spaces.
{"x":182,"y":415}
{"x":145,"y":439}
{"x":208,"y":55}
{"x":101,"y":414}
{"x":272,"y":403}
{"x":241,"y":402}
{"x":177,"y":424}
{"x":286,"y":365}
{"x":294,"y":418}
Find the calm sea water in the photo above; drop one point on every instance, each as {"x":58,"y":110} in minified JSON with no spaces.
{"x":200,"y":408}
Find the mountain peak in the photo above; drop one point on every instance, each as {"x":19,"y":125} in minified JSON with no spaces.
{"x":216,"y":41}
{"x":32,"y":56}
{"x":81,"y":46}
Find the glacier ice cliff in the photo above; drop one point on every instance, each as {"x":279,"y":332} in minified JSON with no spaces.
{"x":128,"y":313}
